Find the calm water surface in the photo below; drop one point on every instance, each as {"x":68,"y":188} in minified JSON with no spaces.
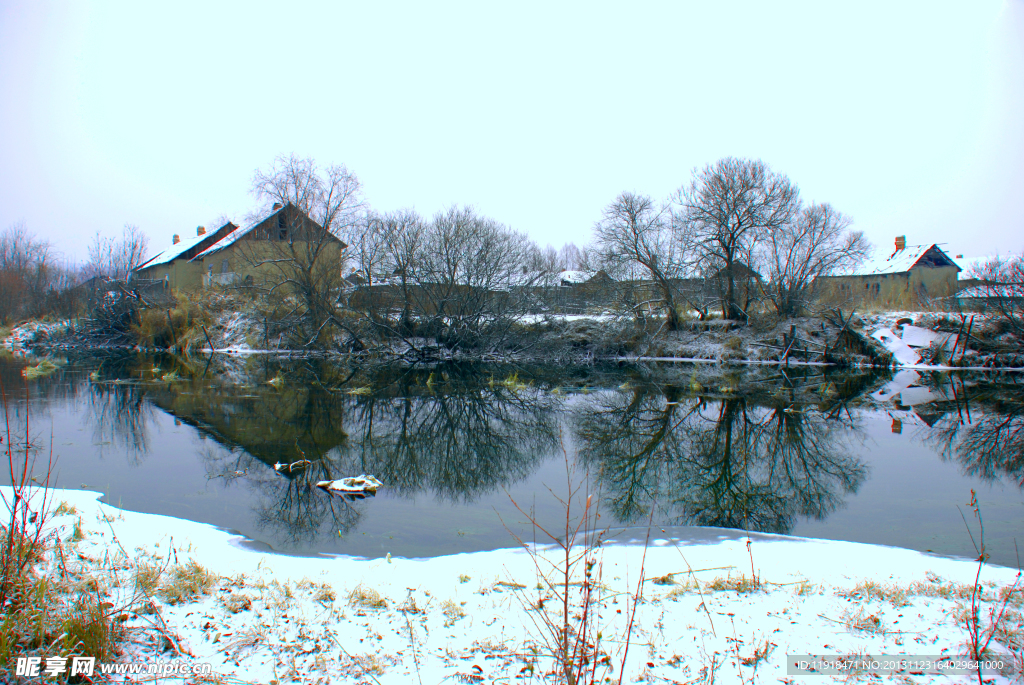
{"x":847,"y":456}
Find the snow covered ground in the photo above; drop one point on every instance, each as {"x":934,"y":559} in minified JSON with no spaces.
{"x":475,"y":617}
{"x":31,"y":333}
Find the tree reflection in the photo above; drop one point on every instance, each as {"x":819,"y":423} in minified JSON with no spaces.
{"x":983,"y":429}
{"x":716,"y":462}
{"x":456,"y":439}
{"x":120,"y":414}
{"x":457,"y":444}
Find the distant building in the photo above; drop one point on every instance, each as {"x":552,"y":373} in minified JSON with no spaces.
{"x":911,"y":273}
{"x":591,"y":278}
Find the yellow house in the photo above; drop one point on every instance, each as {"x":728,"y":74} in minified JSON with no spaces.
{"x":912,"y":273}
{"x":174,"y":267}
{"x":269,"y":249}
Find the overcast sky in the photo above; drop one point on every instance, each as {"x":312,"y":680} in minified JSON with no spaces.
{"x":906,"y":116}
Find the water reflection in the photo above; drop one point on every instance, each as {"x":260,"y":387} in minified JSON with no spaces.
{"x":449,"y":432}
{"x":758,"y":449}
{"x":982,"y":428}
{"x":120,"y":415}
{"x":728,"y":462}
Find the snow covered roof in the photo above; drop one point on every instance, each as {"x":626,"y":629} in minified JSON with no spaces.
{"x":575,"y":276}
{"x":222,"y":243}
{"x":906,"y":259}
{"x":181,"y":247}
{"x":233,"y":237}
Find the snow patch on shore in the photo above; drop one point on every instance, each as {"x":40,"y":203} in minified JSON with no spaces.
{"x":473,"y":617}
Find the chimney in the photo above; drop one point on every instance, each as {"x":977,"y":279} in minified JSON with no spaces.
{"x":200,"y":230}
{"x":901,"y":242}
{"x":277,"y":206}
{"x":176,"y":239}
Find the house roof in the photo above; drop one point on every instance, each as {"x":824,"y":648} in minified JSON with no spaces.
{"x":180,"y":248}
{"x":575,"y":276}
{"x":906,"y":259}
{"x":236,"y":234}
{"x":233,"y":237}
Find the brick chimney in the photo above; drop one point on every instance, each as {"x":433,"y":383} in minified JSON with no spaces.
{"x":176,"y":239}
{"x":277,"y":206}
{"x":901,"y":242}
{"x":200,"y":230}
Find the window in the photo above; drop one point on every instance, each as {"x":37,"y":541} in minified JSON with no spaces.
{"x":224,"y":266}
{"x":282,"y":227}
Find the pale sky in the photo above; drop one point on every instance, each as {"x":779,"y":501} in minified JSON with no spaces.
{"x":905,"y":115}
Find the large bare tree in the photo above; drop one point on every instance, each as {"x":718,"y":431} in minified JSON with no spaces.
{"x":725,"y":210}
{"x":302,"y":273}
{"x":469,"y":271}
{"x":817,"y":242}
{"x":634,"y":232}
{"x":331,"y":196}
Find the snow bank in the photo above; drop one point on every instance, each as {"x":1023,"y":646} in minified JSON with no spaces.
{"x":32,"y":333}
{"x":474,"y":617}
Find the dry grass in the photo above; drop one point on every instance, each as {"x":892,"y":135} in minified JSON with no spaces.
{"x":452,"y":612}
{"x":366,"y":664}
{"x":236,"y":602}
{"x":77,"y":535}
{"x":147,"y":576}
{"x":942,"y":590}
{"x":41,"y":370}
{"x":682,"y":589}
{"x":178,"y":327}
{"x":870,"y":590}
{"x":409,"y":606}
{"x":65,"y":509}
{"x":325,"y":594}
{"x":739,"y":585}
{"x":186,"y":583}
{"x":859,"y":621}
{"x":90,"y":631}
{"x":366,"y":598}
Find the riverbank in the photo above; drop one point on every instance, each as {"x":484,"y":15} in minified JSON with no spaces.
{"x":208,"y":598}
{"x":850,"y":340}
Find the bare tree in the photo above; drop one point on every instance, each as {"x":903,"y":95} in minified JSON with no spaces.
{"x":27,"y":272}
{"x":117,"y":258}
{"x":547,"y":260}
{"x":576,"y":258}
{"x":386,"y":254}
{"x":817,"y":242}
{"x":302,"y":272}
{"x":634,"y":232}
{"x":469,"y":270}
{"x":332,"y":197}
{"x":725,"y":210}
{"x":404,"y":235}
{"x":1002,"y":287}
